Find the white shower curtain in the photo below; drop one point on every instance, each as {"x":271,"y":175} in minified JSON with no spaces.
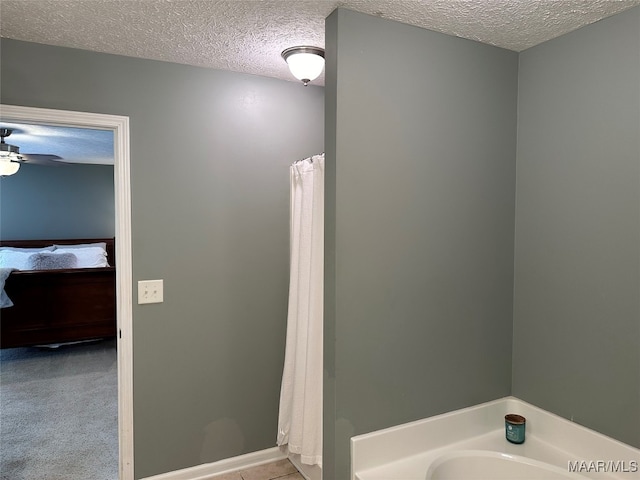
{"x":300,"y":418}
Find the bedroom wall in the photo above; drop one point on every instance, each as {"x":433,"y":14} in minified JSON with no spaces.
{"x":577,"y":262}
{"x":72,"y":201}
{"x":210,"y":152}
{"x":420,"y":148}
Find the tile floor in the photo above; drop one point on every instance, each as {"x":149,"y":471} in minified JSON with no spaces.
{"x":278,"y":470}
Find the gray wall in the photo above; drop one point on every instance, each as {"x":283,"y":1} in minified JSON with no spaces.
{"x":577,"y":263}
{"x":209,"y":181}
{"x":421,"y":144}
{"x":71,"y":201}
{"x":420,"y":219}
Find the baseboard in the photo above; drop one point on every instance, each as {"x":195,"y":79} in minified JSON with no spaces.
{"x":205,"y":471}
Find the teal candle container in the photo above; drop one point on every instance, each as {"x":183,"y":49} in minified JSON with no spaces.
{"x":514,"y":426}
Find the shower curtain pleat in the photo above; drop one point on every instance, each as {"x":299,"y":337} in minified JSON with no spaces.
{"x":300,"y":416}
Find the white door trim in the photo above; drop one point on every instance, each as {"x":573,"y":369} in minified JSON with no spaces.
{"x":120,"y":127}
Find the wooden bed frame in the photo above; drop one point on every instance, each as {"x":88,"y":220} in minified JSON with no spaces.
{"x":59,"y":306}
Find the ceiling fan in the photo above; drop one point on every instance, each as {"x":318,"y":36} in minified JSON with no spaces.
{"x":10,"y":154}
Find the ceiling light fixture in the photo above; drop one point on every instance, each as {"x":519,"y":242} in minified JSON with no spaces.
{"x":9,"y":155}
{"x":306,"y":63}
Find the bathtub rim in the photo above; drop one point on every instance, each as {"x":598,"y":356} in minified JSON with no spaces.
{"x":401,"y":444}
{"x":508,"y":457}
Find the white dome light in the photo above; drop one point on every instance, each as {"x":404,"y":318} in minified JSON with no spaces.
{"x":306,"y":63}
{"x":9,"y":155}
{"x":8,"y":167}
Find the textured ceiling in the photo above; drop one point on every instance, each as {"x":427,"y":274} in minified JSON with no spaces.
{"x":248,"y":35}
{"x":74,"y":145}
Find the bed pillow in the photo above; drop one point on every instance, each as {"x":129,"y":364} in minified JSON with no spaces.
{"x":50,"y":248}
{"x":88,"y":257}
{"x":18,"y":257}
{"x":52,"y":261}
{"x":102,"y":245}
{"x":15,"y":259}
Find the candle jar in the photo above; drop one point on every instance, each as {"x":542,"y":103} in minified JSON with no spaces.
{"x":514,"y":427}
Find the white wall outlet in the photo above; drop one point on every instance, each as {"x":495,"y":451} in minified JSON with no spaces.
{"x":150,"y":291}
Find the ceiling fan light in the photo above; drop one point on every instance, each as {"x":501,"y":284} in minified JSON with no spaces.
{"x":8,"y":167}
{"x":9,"y":155}
{"x":306,"y":63}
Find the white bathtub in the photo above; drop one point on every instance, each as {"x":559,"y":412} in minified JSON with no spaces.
{"x":470,"y":444}
{"x":483,"y":464}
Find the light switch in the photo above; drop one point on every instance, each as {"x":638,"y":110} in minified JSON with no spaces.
{"x":150,"y":291}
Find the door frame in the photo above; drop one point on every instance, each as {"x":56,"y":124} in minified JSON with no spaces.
{"x":119,"y":125}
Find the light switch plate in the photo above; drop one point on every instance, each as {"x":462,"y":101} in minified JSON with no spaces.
{"x":150,"y":291}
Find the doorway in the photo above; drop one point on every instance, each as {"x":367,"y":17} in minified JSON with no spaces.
{"x":119,"y":125}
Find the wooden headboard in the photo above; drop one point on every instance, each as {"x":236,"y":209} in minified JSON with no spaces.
{"x":59,"y":305}
{"x":111,"y":247}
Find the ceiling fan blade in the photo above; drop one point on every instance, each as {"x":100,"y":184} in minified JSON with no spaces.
{"x":42,"y":159}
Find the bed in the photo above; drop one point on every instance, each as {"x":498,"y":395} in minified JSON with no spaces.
{"x":53,"y":305}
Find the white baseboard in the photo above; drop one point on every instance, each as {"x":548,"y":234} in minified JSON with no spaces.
{"x":207,"y":470}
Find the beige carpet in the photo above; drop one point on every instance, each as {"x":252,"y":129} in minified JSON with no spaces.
{"x":58,"y":413}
